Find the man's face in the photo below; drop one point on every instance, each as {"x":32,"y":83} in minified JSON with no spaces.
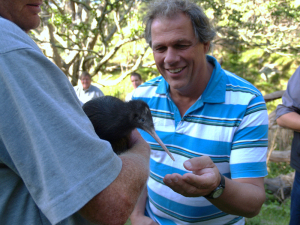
{"x":86,"y":82}
{"x":135,"y":80}
{"x":179,"y":56}
{"x":24,"y":13}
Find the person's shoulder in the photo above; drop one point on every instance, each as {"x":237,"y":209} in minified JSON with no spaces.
{"x":95,"y":88}
{"x":296,"y":76}
{"x":237,"y":83}
{"x":12,"y":37}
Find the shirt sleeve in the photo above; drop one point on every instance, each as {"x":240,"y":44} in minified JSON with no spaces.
{"x":291,"y":97}
{"x":49,"y":142}
{"x":250,"y":143}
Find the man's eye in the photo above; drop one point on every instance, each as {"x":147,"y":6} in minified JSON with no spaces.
{"x":182,"y":46}
{"x":160,"y":49}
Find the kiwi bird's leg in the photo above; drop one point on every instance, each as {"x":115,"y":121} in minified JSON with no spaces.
{"x":155,"y":136}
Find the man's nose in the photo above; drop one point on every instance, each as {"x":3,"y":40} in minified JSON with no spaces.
{"x":171,"y":56}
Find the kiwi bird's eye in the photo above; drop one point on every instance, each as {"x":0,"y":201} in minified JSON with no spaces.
{"x":142,"y":120}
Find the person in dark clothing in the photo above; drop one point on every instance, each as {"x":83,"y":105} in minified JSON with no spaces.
{"x":288,"y":116}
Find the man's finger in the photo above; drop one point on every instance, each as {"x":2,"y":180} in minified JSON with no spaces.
{"x":198,"y":163}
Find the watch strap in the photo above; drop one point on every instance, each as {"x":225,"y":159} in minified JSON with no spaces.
{"x":220,"y":186}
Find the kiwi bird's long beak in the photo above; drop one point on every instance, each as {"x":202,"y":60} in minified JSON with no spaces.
{"x":155,"y":136}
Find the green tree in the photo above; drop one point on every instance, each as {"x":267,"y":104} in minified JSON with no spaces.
{"x":91,"y":35}
{"x":258,"y":40}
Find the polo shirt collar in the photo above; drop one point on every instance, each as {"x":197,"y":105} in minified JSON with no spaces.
{"x":215,"y":89}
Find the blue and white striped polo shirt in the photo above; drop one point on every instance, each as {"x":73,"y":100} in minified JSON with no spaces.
{"x":229,"y":123}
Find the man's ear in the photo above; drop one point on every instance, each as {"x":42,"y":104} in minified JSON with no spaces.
{"x":206,"y":46}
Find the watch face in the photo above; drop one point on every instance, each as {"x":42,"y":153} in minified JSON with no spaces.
{"x":218,"y":193}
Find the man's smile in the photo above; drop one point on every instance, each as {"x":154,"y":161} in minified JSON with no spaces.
{"x":175,"y":70}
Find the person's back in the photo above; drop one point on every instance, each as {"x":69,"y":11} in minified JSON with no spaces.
{"x":17,"y":45}
{"x":45,"y":135}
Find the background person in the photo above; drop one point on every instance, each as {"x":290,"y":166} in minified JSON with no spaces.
{"x":136,"y":81}
{"x":53,"y":167}
{"x":288,"y":115}
{"x":86,"y":91}
{"x":214,"y":123}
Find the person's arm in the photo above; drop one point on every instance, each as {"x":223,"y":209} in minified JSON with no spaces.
{"x":290,"y":120}
{"x":116,"y":202}
{"x":138,"y":216}
{"x":242,"y":197}
{"x":287,"y":113}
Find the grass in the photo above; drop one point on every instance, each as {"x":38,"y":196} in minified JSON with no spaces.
{"x":128,"y":222}
{"x":273,"y":212}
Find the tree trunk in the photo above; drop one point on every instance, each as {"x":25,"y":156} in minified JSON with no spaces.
{"x":280,"y":186}
{"x":280,"y":156}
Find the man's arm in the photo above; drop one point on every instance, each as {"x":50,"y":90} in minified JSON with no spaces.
{"x":290,"y":120}
{"x":287,"y":113}
{"x":242,"y":197}
{"x":115,"y":203}
{"x":138,"y":215}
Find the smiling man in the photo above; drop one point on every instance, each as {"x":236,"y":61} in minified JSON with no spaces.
{"x":54,"y":169}
{"x":214,"y":123}
{"x":86,"y":91}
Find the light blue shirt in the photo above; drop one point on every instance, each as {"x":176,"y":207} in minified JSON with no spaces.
{"x":229,"y":123}
{"x":89,"y":94}
{"x":51,"y":160}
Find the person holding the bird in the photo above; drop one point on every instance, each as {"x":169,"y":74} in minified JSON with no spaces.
{"x":213,"y":122}
{"x":54,"y":169}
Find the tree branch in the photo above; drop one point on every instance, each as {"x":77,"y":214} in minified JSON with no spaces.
{"x":113,"y":51}
{"x":124,"y":75}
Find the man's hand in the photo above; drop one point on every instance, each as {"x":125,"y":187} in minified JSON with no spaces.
{"x":243,"y":196}
{"x":204,"y":179}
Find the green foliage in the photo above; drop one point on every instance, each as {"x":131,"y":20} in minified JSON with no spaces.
{"x":123,"y":88}
{"x":275,"y":169}
{"x":272,"y":214}
{"x":284,"y":9}
{"x":91,"y":35}
{"x":251,"y":35}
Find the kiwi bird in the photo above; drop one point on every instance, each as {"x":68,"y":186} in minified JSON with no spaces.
{"x":113,"y":120}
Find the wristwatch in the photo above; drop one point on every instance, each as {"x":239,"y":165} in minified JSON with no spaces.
{"x":218,"y":191}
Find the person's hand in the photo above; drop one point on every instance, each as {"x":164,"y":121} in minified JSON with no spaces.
{"x":204,"y":179}
{"x":142,"y":220}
